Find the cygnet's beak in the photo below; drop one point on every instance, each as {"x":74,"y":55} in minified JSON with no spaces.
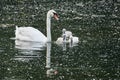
{"x":56,"y":16}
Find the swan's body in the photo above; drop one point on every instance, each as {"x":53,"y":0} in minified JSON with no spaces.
{"x":32,"y":34}
{"x":68,"y":34}
{"x":29,"y":34}
{"x":73,"y":39}
{"x":67,"y":38}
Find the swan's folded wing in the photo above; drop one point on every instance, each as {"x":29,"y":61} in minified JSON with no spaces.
{"x":30,"y":34}
{"x":75,"y":39}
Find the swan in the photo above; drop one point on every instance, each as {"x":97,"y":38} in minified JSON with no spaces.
{"x":62,"y":39}
{"x":32,"y":34}
{"x":67,"y":37}
{"x":67,"y":33}
{"x":73,"y":39}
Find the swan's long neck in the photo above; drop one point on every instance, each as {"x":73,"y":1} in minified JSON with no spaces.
{"x":48,"y":23}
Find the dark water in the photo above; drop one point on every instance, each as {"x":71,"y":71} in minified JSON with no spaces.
{"x":97,"y":55}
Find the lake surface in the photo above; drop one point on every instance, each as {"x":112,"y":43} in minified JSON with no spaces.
{"x":95,"y":57}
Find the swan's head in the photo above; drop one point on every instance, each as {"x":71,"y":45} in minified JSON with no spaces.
{"x":52,"y":13}
{"x":64,"y":30}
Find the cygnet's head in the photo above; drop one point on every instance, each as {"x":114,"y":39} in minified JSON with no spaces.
{"x":52,"y":13}
{"x":64,"y":30}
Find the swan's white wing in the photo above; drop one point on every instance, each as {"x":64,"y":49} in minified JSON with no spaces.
{"x":68,"y":33}
{"x":59,"y":40}
{"x":75,"y":39}
{"x":29,"y":34}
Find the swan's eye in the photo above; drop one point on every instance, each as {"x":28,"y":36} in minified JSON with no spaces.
{"x":56,"y":16}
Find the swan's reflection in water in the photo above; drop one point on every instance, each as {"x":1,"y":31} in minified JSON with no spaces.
{"x":29,"y":45}
{"x":64,"y":45}
{"x":50,"y":71}
{"x":28,"y":50}
{"x":48,"y":58}
{"x":53,"y":70}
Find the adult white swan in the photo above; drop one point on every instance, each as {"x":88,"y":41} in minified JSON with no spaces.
{"x":32,"y":34}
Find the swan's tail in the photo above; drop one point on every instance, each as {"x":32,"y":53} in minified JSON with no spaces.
{"x":16,"y":27}
{"x":16,"y":32}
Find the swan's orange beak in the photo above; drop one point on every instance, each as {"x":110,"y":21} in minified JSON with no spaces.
{"x":56,"y":16}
